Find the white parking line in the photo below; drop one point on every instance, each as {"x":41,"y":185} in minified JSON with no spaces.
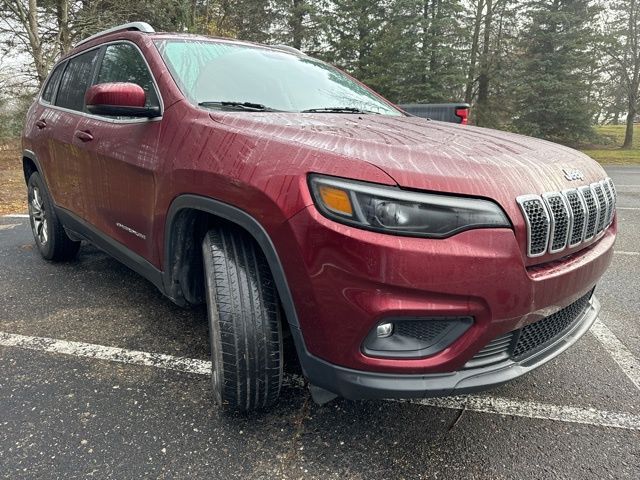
{"x":16,"y":215}
{"x":113,"y":354}
{"x":484,"y":404}
{"x":543,"y":411}
{"x":633,"y":254}
{"x":627,"y":208}
{"x":618,"y":351}
{"x":9,"y":226}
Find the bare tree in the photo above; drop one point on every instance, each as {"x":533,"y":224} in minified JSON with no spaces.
{"x":625,"y":53}
{"x":42,"y":30}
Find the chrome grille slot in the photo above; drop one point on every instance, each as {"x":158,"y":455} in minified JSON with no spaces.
{"x":610,"y":201}
{"x":560,"y":221}
{"x":602,"y":205}
{"x":538,"y":224}
{"x":592,"y":207}
{"x":579,"y":214}
{"x":557,"y":220}
{"x":613,"y":190}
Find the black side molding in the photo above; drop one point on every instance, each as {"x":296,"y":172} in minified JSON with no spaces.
{"x":121,"y":253}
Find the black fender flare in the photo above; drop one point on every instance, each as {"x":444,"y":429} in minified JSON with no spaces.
{"x":240,"y":218}
{"x":31,"y":155}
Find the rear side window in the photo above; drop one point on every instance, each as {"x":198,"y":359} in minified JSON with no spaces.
{"x":49,"y":90}
{"x":75,"y":81}
{"x":123,"y":62}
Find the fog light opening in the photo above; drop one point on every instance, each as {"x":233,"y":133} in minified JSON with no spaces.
{"x":384,"y":330}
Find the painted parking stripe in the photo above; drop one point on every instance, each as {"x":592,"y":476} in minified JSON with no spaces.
{"x":101,"y":352}
{"x":618,"y":351}
{"x":16,"y":215}
{"x":9,"y":226}
{"x":627,"y":208}
{"x":633,"y":254}
{"x":484,"y":404}
{"x":543,"y":411}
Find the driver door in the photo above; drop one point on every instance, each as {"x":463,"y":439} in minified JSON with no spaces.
{"x":124,"y":156}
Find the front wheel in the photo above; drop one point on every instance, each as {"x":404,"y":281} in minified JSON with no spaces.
{"x":244,"y":321}
{"x":52,"y":241}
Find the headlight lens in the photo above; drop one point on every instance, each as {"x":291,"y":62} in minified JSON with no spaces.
{"x":392,"y":210}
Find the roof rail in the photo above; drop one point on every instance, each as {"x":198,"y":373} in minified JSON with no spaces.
{"x":139,"y":26}
{"x":288,"y":48}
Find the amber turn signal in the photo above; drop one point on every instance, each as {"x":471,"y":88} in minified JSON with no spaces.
{"x":336,"y":199}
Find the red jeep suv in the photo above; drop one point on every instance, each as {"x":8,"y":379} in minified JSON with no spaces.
{"x":404,"y":257}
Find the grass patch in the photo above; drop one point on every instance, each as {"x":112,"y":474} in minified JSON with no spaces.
{"x":13,"y":192}
{"x":609,"y":151}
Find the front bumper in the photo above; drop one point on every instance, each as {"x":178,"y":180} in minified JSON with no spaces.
{"x":347,"y":280}
{"x":356,"y":384}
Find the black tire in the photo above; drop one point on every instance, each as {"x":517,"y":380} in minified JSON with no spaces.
{"x":51,"y":239}
{"x":244,"y":321}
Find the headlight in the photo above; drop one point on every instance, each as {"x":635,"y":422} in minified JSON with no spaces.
{"x":396,"y":211}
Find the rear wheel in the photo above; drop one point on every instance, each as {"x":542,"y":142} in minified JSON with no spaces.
{"x":51,"y":239}
{"x":244,"y":321}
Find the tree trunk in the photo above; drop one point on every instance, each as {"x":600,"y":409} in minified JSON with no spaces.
{"x":62,"y":11}
{"x":483,"y":79}
{"x":297,"y":16}
{"x":435,"y":27}
{"x":633,"y":108}
{"x":425,"y":38}
{"x":34,"y":39}
{"x":468,"y":94}
{"x":634,"y":84}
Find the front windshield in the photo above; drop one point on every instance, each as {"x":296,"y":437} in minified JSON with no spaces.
{"x":210,"y":72}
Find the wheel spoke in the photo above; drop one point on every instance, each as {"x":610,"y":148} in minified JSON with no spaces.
{"x":45,"y":232}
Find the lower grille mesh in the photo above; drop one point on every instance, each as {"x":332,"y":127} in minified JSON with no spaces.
{"x":425,"y":331}
{"x":539,"y":334}
{"x":523,"y":343}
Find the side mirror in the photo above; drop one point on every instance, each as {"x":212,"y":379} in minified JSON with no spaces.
{"x":119,"y":100}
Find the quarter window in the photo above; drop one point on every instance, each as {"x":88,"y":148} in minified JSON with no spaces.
{"x":50,"y":89}
{"x":123,"y":62}
{"x":75,"y":81}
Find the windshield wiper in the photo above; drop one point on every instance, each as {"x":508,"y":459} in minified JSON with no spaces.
{"x":249,"y":106}
{"x":337,"y":110}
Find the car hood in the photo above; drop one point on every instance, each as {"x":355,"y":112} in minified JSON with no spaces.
{"x":429,"y":155}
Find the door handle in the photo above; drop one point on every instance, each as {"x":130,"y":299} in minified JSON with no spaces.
{"x":41,"y":124}
{"x":84,"y":135}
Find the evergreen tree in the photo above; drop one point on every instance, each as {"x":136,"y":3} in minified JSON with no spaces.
{"x":554,"y":71}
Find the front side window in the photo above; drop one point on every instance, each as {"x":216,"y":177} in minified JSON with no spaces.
{"x":210,"y":72}
{"x":123,"y":62}
{"x":75,"y":81}
{"x":50,"y":89}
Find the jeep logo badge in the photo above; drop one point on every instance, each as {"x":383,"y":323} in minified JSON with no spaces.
{"x":572,"y":175}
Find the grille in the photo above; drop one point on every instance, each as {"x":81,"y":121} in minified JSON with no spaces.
{"x":559,"y":221}
{"x":425,"y":331}
{"x":578,"y":211}
{"x":496,"y":351}
{"x":555,"y":220}
{"x":613,"y":190}
{"x":592,"y":207}
{"x":526,"y":341}
{"x":602,"y":205}
{"x":538,"y":224}
{"x":610,"y":201}
{"x":540,"y":334}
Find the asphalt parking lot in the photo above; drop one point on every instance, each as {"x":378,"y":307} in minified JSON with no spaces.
{"x":101,"y":377}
